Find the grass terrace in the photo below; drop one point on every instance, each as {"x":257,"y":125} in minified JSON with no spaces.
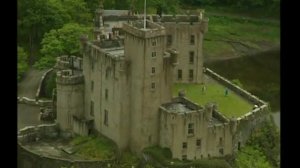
{"x":231,"y":105}
{"x":92,"y":147}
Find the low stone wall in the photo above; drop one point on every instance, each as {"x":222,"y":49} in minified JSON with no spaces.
{"x":235,"y":88}
{"x":30,"y":159}
{"x":38,"y":92}
{"x":32,"y":133}
{"x":26,"y":100}
{"x":246,"y":123}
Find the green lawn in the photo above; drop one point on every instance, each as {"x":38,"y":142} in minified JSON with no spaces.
{"x":230,"y":105}
{"x":99,"y":148}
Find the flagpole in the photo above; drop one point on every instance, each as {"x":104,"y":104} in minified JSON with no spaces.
{"x":145,"y":14}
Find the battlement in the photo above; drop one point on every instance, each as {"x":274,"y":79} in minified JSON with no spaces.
{"x":69,"y":77}
{"x":136,"y":28}
{"x":180,"y":105}
{"x":180,"y":18}
{"x":67,"y":62}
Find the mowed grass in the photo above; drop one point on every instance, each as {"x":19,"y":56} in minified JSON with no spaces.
{"x":231,"y":105}
{"x":91,"y":147}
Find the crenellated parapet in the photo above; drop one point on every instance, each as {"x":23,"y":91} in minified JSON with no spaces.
{"x":68,"y":77}
{"x":152,"y":29}
{"x":68,"y":62}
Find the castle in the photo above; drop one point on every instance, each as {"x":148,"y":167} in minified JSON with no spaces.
{"x":122,"y":86}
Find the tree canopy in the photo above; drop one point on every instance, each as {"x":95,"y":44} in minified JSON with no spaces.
{"x":36,"y":17}
{"x":61,"y":41}
{"x":251,"y":157}
{"x":22,"y":62}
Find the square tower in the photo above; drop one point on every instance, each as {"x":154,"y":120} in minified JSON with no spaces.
{"x":149,"y":79}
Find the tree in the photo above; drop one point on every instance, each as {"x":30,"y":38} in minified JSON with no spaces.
{"x":22,"y":62}
{"x":267,"y":138}
{"x":251,"y":157}
{"x":92,"y":5}
{"x":78,"y":11}
{"x":59,"y":42}
{"x":167,"y":6}
{"x":35,"y":17}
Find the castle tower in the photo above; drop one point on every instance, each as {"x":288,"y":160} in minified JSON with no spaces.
{"x":99,"y":25}
{"x":69,"y":98}
{"x":186,"y":34}
{"x":149,"y":80}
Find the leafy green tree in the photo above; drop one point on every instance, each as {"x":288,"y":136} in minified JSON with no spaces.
{"x":167,"y":6}
{"x":267,"y":138}
{"x":35,"y":17}
{"x":251,"y":157}
{"x":92,"y":5}
{"x":78,"y":11}
{"x":59,"y":42}
{"x":22,"y":62}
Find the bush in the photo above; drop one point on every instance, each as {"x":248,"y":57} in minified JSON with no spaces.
{"x":267,"y":139}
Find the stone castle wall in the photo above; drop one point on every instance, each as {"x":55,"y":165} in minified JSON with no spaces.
{"x":244,"y":125}
{"x":30,"y":159}
{"x":245,"y":94}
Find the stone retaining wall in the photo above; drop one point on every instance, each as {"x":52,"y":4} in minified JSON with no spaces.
{"x":26,"y":100}
{"x":30,"y":159}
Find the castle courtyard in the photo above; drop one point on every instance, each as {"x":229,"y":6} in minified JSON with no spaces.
{"x":231,"y":105}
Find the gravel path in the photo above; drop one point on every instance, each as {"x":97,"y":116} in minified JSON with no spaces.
{"x":28,"y":115}
{"x":29,"y":85}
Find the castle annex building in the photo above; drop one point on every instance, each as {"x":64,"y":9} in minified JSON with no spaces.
{"x":122,"y":86}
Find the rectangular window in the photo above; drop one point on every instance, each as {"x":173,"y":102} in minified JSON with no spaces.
{"x":153,"y":70}
{"x":107,"y":72}
{"x":184,"y":157}
{"x":154,"y":43}
{"x":191,"y":128}
{"x":191,"y":74}
{"x":153,"y":85}
{"x":169,"y":39}
{"x":106,"y":117}
{"x":192,"y":57}
{"x":92,"y":65}
{"x":221,"y":150}
{"x":92,"y":85}
{"x":106,"y":94}
{"x":221,"y":141}
{"x":198,"y":143}
{"x":179,"y":75}
{"x":192,"y":40}
{"x":92,"y":109}
{"x":184,"y":145}
{"x":153,"y":54}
